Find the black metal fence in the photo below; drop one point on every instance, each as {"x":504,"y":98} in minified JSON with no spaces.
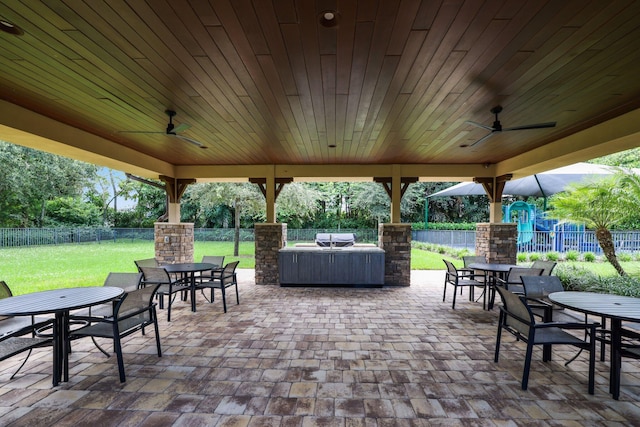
{"x":533,"y":241}
{"x":537,"y":241}
{"x":12,"y":237}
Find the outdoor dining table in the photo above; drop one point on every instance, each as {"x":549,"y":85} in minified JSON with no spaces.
{"x":496,"y":271}
{"x":58,"y":302}
{"x":617,"y":308}
{"x":188,"y":271}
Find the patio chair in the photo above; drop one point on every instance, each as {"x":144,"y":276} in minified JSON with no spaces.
{"x":147,"y":262}
{"x":209,"y":275}
{"x":168,"y":286}
{"x":630,"y":348}
{"x":475,"y":274}
{"x":536,"y":289}
{"x":17,"y":334}
{"x":127,"y":281}
{"x":134,"y":311}
{"x":517,"y":318}
{"x":547,"y":266}
{"x":227,"y":279}
{"x":460,"y":279}
{"x":513,"y":279}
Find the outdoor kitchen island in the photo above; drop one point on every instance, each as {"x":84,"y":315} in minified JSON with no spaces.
{"x":331,"y":266}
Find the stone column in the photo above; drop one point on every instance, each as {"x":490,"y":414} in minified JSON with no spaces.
{"x":497,"y":242}
{"x":395,"y":239}
{"x":174,"y":242}
{"x":269,"y":239}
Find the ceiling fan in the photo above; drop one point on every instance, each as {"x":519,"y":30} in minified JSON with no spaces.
{"x":497,"y":126}
{"x":172,"y":130}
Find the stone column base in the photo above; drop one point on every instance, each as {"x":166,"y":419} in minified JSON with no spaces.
{"x":498,"y":242}
{"x":395,"y":239}
{"x":269,"y":239}
{"x":174,"y":242}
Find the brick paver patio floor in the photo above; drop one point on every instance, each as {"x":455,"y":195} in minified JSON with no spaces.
{"x":319,"y":357}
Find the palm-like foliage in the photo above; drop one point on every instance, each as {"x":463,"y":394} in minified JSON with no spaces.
{"x":599,"y":205}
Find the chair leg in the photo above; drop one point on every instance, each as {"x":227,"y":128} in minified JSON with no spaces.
{"x":118,"y":350}
{"x":592,"y":365}
{"x":444,"y":295}
{"x":237,"y":295}
{"x":455,"y":291}
{"x":527,"y":366}
{"x":224,"y":299}
{"x":154,"y":316}
{"x":496,"y":354}
{"x":22,"y":364}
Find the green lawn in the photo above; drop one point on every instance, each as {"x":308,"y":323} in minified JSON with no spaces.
{"x":38,"y":268}
{"x":47,"y":267}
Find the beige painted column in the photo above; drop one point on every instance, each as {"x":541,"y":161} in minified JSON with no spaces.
{"x":396,"y":195}
{"x":173,"y":210}
{"x":270,"y":197}
{"x":495,"y":212}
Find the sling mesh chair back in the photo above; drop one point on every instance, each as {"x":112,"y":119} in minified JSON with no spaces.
{"x":168,"y":286}
{"x":475,"y":274}
{"x":132,"y":312}
{"x":208,"y":275}
{"x":17,"y":334}
{"x":513,"y":280}
{"x":226,"y":279}
{"x":517,"y":318}
{"x":147,"y":262}
{"x":547,"y":266}
{"x":460,"y":279}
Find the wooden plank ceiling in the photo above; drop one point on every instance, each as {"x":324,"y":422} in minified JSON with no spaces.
{"x":275,"y":82}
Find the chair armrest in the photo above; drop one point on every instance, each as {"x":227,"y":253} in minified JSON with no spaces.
{"x":568,"y":325}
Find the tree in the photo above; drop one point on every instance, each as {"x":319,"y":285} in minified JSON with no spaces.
{"x":296,"y":204}
{"x":598,"y":206}
{"x":30,"y":178}
{"x":242,"y":198}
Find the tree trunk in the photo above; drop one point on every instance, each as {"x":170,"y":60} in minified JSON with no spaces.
{"x":606,"y":243}
{"x":236,"y":231}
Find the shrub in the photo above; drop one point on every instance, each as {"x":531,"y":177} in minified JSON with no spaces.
{"x":534,"y":257}
{"x":572,"y":256}
{"x":576,"y":278}
{"x":589,"y":256}
{"x":553,"y":256}
{"x":624,"y":257}
{"x":522,"y":257}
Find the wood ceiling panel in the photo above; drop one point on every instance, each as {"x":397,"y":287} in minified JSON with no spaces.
{"x":264,"y":82}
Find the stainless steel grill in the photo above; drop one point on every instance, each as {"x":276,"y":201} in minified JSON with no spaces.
{"x":335,"y":239}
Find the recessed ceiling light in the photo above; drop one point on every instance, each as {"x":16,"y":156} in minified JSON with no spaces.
{"x":10,"y":28}
{"x":329,"y":18}
{"x":332,"y":145}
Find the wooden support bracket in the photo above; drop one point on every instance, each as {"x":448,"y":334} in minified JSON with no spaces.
{"x":493,"y":186}
{"x":262,"y":184}
{"x":404,"y":181}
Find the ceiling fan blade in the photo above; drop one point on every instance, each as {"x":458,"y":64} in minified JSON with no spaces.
{"x":535,"y":126}
{"x":140,"y":131}
{"x":181,"y":127}
{"x":192,"y":141}
{"x":484,"y":138}
{"x":480,"y":125}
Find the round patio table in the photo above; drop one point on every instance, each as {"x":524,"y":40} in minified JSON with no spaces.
{"x":189,"y":270}
{"x":58,"y":302}
{"x":615,"y":307}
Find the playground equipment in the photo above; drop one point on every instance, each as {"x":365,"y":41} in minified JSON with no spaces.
{"x":524,"y":215}
{"x":536,"y":233}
